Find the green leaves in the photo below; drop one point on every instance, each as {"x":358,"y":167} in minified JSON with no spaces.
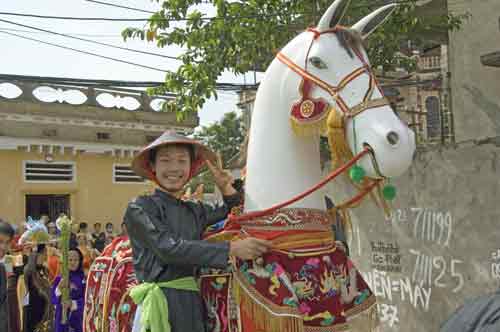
{"x":226,"y":137}
{"x":244,"y":35}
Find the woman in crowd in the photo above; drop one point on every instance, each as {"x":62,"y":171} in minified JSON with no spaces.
{"x":86,"y":250}
{"x":76,"y":286}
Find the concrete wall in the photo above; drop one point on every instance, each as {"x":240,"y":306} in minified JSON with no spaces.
{"x":93,"y":196}
{"x":475,"y":88}
{"x":444,"y":230}
{"x":443,"y":234}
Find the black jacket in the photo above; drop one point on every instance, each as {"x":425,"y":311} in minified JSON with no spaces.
{"x":165,"y":235}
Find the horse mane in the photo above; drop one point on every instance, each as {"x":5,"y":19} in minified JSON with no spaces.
{"x":349,"y":39}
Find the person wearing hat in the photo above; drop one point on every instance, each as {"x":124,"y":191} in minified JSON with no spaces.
{"x":165,"y":235}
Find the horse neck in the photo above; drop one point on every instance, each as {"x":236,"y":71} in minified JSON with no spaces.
{"x":280,"y":164}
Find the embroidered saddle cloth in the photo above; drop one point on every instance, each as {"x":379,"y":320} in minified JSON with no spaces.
{"x":304,"y":284}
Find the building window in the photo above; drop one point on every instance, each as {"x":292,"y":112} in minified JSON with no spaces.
{"x":103,"y":136}
{"x":39,"y":171}
{"x":124,"y":174}
{"x":433,"y":117}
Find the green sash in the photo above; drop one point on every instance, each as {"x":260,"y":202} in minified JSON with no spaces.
{"x":154,"y":304}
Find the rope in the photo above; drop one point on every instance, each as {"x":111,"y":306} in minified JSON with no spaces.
{"x":330,"y":177}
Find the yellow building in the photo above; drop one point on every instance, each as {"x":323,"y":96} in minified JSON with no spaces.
{"x":68,"y":148}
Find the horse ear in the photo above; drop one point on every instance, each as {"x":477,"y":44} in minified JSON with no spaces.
{"x":333,"y":15}
{"x":369,"y":23}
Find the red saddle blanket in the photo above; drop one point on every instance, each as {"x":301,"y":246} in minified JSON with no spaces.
{"x":305,"y":283}
{"x":108,"y":307}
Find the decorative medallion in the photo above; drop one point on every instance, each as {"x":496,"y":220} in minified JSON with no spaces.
{"x":307,"y":108}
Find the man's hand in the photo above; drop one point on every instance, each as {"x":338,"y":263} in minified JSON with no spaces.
{"x":223,"y":179}
{"x":249,"y":248}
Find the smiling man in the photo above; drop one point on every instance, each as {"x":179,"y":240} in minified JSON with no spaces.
{"x":165,"y":235}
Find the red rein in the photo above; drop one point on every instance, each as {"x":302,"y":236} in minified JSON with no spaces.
{"x":330,"y":177}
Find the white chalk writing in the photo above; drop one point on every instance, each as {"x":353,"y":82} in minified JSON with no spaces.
{"x":431,"y":270}
{"x":398,"y":215}
{"x":388,"y":314}
{"x":383,"y":286}
{"x":433,"y":226}
{"x":495,"y":265}
{"x":428,"y":224}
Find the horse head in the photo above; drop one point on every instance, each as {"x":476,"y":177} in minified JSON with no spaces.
{"x":322,"y":82}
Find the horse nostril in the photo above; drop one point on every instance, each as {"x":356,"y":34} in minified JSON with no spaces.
{"x":393,"y":138}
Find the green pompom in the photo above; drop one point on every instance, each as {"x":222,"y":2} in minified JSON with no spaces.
{"x":357,"y":173}
{"x":389,"y":192}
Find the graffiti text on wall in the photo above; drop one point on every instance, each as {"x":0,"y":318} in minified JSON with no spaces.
{"x":495,"y":265}
{"x":431,"y":270}
{"x":385,"y":287}
{"x":388,"y":313}
{"x":428,"y":225}
{"x":386,"y":256}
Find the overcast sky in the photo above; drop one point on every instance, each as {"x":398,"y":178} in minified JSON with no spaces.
{"x":24,"y":57}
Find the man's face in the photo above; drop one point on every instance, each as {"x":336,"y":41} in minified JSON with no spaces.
{"x":172,"y":167}
{"x":109,"y":228}
{"x":97,"y":227}
{"x":4,"y":244}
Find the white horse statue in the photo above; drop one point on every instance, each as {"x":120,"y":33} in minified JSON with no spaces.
{"x":280,"y":162}
{"x":320,"y":83}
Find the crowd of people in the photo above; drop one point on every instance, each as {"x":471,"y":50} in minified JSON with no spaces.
{"x":31,"y":281}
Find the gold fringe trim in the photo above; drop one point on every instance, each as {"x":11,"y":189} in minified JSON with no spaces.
{"x":316,"y":127}
{"x":264,"y":319}
{"x":340,"y":151}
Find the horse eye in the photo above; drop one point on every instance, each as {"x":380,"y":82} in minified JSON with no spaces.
{"x":317,"y":62}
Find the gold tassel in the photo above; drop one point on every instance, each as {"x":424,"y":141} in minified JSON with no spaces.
{"x":309,"y":129}
{"x":263,"y":319}
{"x":341,"y":153}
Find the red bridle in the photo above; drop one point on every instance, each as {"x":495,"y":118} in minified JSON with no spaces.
{"x":334,"y":90}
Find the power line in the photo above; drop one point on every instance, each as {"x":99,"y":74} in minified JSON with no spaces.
{"x":89,"y":40}
{"x":99,"y":35}
{"x":84,"y":52}
{"x":219,"y":86}
{"x":258,"y":16}
{"x":76,"y":18}
{"x":120,"y":6}
{"x":224,"y":86}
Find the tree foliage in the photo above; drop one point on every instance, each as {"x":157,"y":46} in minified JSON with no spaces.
{"x":225,"y":137}
{"x":244,"y":35}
